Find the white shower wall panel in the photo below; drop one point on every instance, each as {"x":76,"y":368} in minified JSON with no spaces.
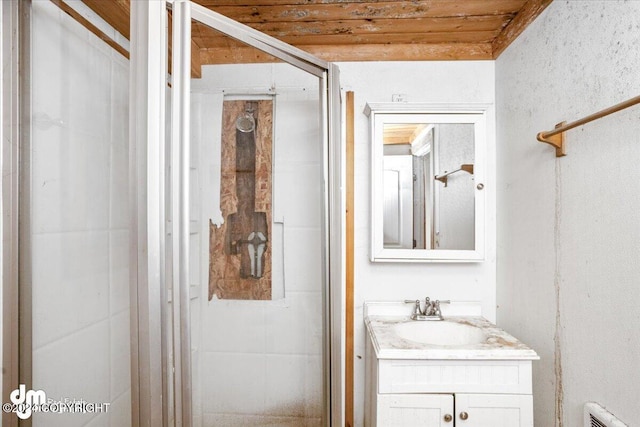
{"x":79,"y":219}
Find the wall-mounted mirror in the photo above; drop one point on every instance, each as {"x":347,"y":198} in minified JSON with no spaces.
{"x":427,"y":182}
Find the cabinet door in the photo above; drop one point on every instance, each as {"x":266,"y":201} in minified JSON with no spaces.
{"x":415,"y":410}
{"x":494,"y":410}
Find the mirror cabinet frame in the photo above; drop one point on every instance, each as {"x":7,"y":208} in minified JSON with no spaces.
{"x":400,"y":112}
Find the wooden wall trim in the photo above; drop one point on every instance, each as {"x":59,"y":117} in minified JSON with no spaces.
{"x":349,"y":362}
{"x":527,"y":14}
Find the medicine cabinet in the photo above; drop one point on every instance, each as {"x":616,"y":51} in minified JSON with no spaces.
{"x":427,"y":182}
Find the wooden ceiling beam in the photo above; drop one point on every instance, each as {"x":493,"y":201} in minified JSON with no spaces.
{"x":371,"y":52}
{"x":115,"y":12}
{"x":431,"y":3}
{"x":527,"y":14}
{"x":342,"y":39}
{"x":404,"y":52}
{"x":356,"y":30}
{"x":380,"y":26}
{"x":403,"y":133}
{"x":234,"y":55}
{"x":306,"y":12}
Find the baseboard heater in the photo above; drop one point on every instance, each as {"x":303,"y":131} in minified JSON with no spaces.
{"x":596,"y":416}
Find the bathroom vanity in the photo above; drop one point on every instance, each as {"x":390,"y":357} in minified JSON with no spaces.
{"x":462,"y":371}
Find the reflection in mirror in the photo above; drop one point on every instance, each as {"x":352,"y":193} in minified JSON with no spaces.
{"x":427,"y":169}
{"x":428,"y":186}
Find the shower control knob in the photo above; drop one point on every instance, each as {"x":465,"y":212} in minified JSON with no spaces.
{"x":448,"y":418}
{"x":464,"y":415}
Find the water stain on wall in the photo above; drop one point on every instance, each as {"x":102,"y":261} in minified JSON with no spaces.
{"x":557,"y":339}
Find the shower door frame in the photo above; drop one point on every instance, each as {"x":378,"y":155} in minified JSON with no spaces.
{"x":15,"y":289}
{"x":12,"y":103}
{"x":150,"y":381}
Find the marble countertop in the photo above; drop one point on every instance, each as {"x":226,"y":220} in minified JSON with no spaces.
{"x":499,"y":345}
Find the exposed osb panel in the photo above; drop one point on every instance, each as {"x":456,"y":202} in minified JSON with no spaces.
{"x":225,"y":267}
{"x":359,"y":30}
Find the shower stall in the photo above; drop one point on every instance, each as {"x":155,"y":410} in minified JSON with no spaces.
{"x":172,"y":246}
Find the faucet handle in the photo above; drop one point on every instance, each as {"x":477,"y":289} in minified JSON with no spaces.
{"x":436,"y":307}
{"x":416,"y":309}
{"x":436,"y":304}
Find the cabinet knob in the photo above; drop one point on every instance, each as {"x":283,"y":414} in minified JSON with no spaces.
{"x":464,"y":415}
{"x":448,"y":418}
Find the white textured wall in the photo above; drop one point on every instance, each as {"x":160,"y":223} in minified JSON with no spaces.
{"x":437,"y":82}
{"x":456,"y":201}
{"x":568,"y":229}
{"x":79,"y":219}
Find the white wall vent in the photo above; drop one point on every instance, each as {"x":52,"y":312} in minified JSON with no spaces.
{"x":596,"y":416}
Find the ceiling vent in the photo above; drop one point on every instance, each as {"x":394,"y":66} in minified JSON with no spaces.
{"x":596,"y":416}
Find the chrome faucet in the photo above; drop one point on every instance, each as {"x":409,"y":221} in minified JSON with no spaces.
{"x":431,"y":309}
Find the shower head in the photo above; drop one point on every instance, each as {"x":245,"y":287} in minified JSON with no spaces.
{"x":245,"y":122}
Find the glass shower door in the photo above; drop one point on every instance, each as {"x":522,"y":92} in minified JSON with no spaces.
{"x":258,"y":322}
{"x":258,"y":230}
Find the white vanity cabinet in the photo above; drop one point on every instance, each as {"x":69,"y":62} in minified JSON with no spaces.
{"x":446,"y":393}
{"x":494,"y":410}
{"x":447,"y":410}
{"x":483,"y":385}
{"x":413,"y":410}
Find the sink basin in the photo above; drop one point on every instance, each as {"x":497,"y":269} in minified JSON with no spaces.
{"x":440,"y":333}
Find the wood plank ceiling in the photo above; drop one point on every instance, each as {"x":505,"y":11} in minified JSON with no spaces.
{"x":358,"y":30}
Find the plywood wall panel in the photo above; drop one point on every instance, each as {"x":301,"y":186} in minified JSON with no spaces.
{"x":225,"y":267}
